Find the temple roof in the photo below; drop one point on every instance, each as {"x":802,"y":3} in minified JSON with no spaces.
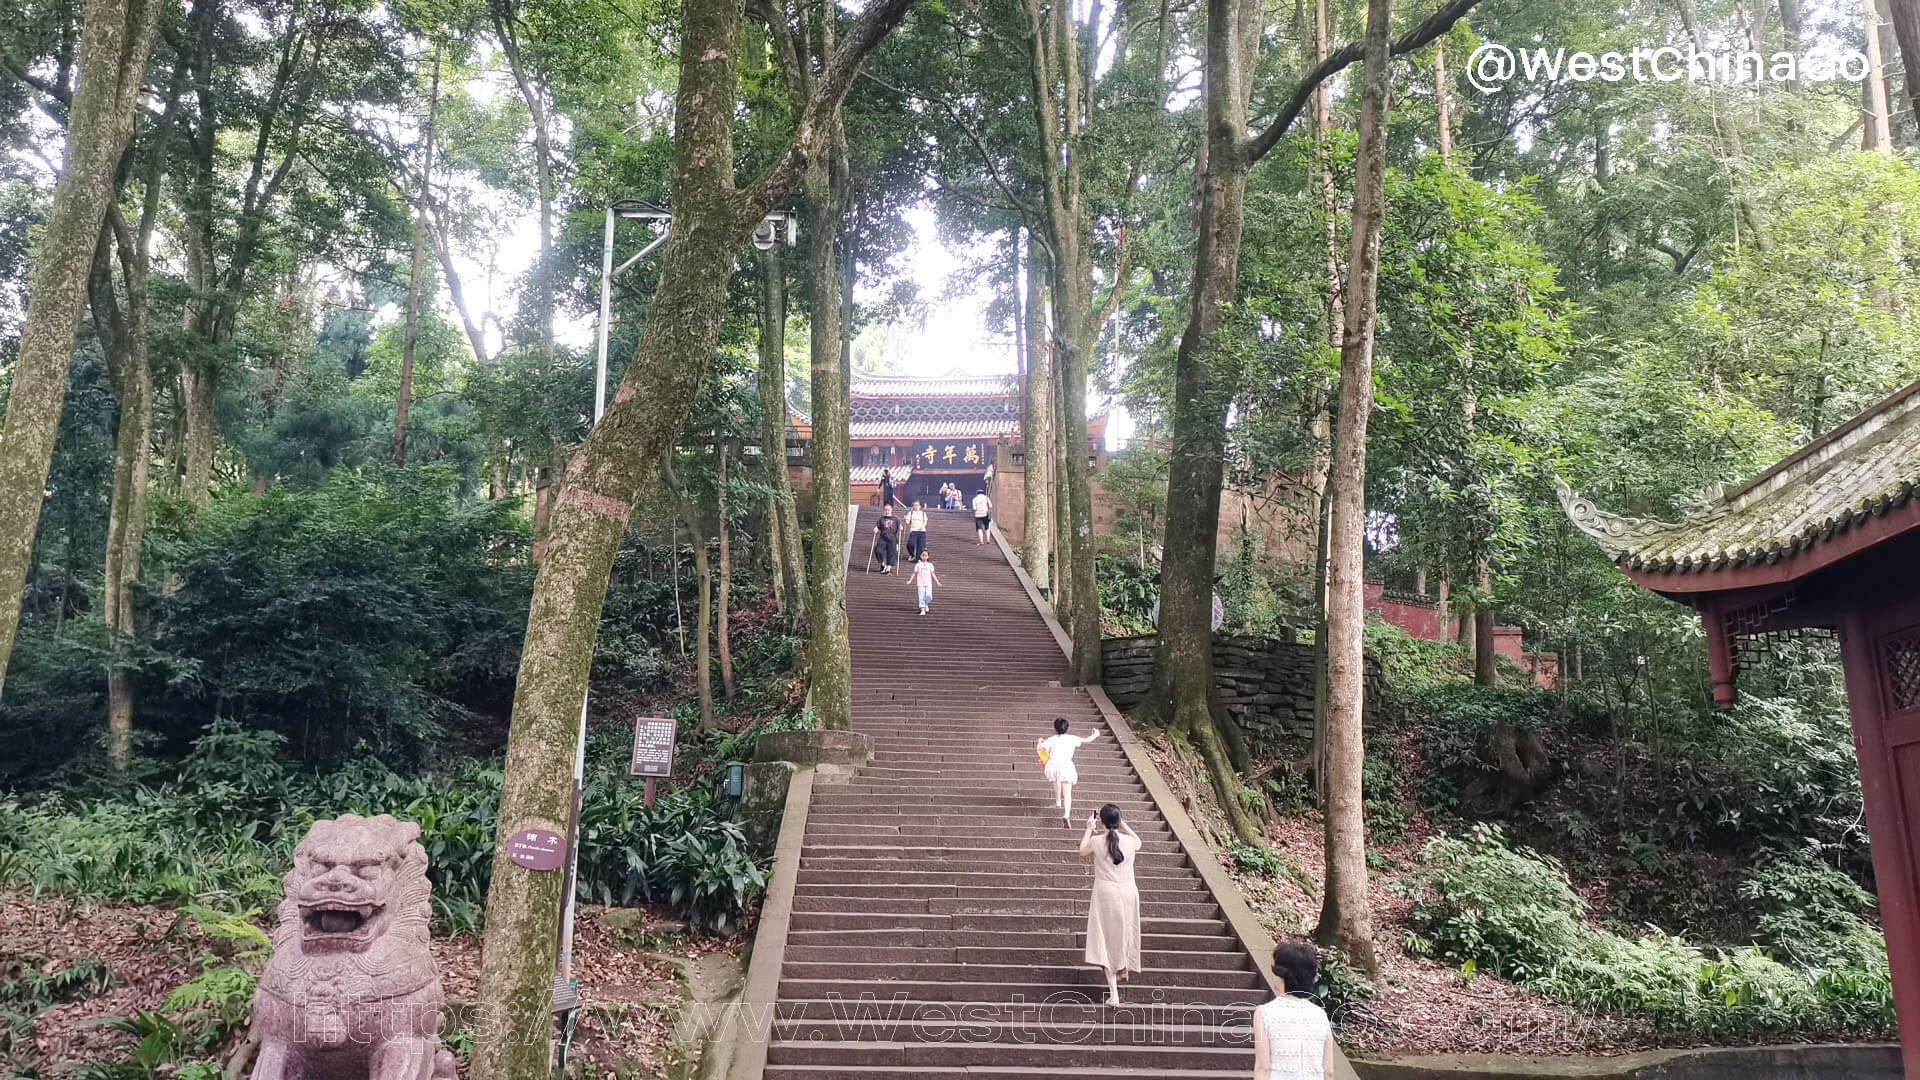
{"x":870,"y":474}
{"x":939,"y":386}
{"x":935,"y":429}
{"x":1854,"y":473}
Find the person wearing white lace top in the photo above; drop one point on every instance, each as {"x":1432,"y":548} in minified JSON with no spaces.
{"x":1292,"y":1038}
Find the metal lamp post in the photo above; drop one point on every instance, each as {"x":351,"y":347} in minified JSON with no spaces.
{"x":768,"y":233}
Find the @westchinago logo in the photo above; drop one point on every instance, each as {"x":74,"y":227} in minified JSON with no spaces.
{"x":1492,"y":66}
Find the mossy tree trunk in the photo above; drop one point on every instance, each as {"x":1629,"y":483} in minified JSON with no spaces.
{"x":1346,"y":914}
{"x":723,"y":641}
{"x":116,"y":36}
{"x":1036,"y":423}
{"x":829,"y":650}
{"x":403,"y":404}
{"x":787,"y":556}
{"x":619,"y":459}
{"x":703,"y":581}
{"x":1205,"y":381}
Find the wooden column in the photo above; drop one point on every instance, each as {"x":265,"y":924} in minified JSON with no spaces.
{"x":1880,"y":649}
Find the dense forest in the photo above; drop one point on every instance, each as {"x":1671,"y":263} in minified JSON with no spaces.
{"x":307,"y":504}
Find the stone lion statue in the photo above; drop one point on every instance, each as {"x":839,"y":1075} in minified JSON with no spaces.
{"x":351,"y":992}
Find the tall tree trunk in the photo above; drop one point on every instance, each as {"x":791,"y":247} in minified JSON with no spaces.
{"x":1442,"y":103}
{"x":1064,"y":443}
{"x":1878,"y":126}
{"x":1346,"y":914}
{"x":722,"y":640}
{"x":412,"y":331}
{"x":1727,"y":128}
{"x":1036,"y":423}
{"x":1905,"y":17}
{"x":1060,"y":70}
{"x":829,"y":650}
{"x":703,"y":580}
{"x":1483,"y":668}
{"x":712,"y":218}
{"x":1321,"y":431}
{"x":1205,"y":382}
{"x":125,"y":338}
{"x":788,"y":556}
{"x":533,"y":92}
{"x":115,"y":38}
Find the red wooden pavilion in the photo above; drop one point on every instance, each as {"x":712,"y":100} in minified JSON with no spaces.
{"x":1829,"y":539}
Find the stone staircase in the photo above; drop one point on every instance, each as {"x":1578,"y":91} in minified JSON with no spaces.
{"x":940,"y":905}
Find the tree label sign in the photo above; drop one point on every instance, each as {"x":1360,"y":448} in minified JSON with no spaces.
{"x":653,"y":746}
{"x":538,"y":849}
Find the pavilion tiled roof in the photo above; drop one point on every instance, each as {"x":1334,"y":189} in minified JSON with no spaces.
{"x":941,"y":386}
{"x":934,"y":429}
{"x":1856,"y":472}
{"x":870,"y":474}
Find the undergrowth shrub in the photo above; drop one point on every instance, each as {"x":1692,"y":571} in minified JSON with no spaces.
{"x":1128,"y":594}
{"x":1484,"y":905}
{"x":222,"y":833}
{"x":1411,"y":664}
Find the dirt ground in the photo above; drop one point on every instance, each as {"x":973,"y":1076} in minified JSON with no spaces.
{"x":630,"y":971}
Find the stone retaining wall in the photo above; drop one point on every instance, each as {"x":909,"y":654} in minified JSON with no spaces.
{"x":1266,"y":686}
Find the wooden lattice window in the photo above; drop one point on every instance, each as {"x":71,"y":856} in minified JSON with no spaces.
{"x":1900,"y":660}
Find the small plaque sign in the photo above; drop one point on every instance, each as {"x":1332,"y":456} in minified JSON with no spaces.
{"x":653,"y":746}
{"x":537,"y":849}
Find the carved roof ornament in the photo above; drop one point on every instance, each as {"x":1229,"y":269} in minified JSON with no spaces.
{"x":1618,"y":534}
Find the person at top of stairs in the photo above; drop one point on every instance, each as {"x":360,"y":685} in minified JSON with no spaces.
{"x":886,"y":540}
{"x":1292,"y":1039}
{"x":924,"y":579}
{"x":982,"y":514}
{"x":1113,"y":914}
{"x":1057,"y":754}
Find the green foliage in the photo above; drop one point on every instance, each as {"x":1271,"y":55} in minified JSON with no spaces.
{"x":1270,"y":862}
{"x":374,"y":607}
{"x":1485,"y":905}
{"x":1411,"y":664}
{"x":222,"y":833}
{"x":1129,"y":592}
{"x":1813,"y":915}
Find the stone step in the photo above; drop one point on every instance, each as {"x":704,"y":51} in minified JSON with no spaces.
{"x":1034,"y":862}
{"x":1058,"y":877}
{"x":977,"y":1072}
{"x":961,"y":905}
{"x":939,"y":913}
{"x":897,"y":1006}
{"x":1058,"y":1058}
{"x":836,"y":835}
{"x":1036,"y":986}
{"x":882,"y":976}
{"x":1063,"y":955}
{"x":1041,"y":1028}
{"x":1037,"y":924}
{"x":936,"y":940}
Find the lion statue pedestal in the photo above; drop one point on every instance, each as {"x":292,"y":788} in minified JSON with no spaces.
{"x":351,"y":992}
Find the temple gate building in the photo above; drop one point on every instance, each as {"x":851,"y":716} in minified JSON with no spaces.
{"x":1827,"y":540}
{"x":959,"y":429}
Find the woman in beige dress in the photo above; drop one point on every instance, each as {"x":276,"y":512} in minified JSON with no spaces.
{"x":1113,"y":915}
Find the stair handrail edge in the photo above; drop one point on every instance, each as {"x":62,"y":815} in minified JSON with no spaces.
{"x":761,"y":996}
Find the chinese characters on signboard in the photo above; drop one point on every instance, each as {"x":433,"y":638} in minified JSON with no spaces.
{"x":949,"y":455}
{"x":652,"y":747}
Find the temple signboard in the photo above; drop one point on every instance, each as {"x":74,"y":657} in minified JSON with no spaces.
{"x":957,"y":454}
